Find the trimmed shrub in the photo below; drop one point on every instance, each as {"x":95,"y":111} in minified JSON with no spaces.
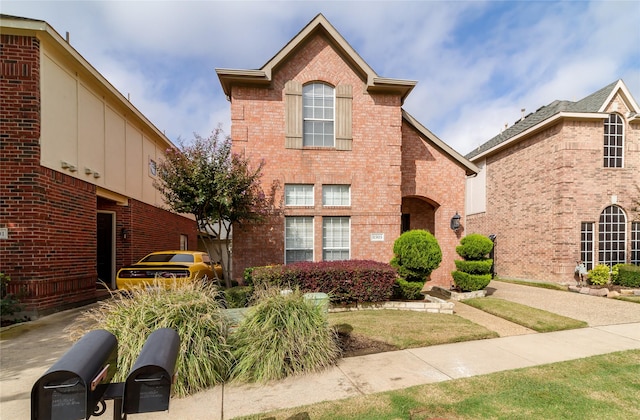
{"x":629,"y":275}
{"x":474,"y":267}
{"x":238,"y":297}
{"x":408,"y":290}
{"x":417,"y":254}
{"x":344,"y":281}
{"x":599,"y":275}
{"x":192,"y":309}
{"x":471,"y":282}
{"x":283,"y":335}
{"x":474,"y":247}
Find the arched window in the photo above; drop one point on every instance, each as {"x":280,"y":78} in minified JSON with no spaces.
{"x":318,"y":101}
{"x":613,"y":142}
{"x":612,"y":236}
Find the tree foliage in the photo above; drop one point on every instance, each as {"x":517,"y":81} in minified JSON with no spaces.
{"x":416,"y":254}
{"x":220,"y":188}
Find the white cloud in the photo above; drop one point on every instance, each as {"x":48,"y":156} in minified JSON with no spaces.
{"x":477,"y":63}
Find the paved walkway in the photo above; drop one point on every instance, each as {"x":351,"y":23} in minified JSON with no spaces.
{"x":28,"y":350}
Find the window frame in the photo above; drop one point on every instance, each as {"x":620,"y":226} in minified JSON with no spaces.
{"x":309,"y":102}
{"x":613,"y":145}
{"x":341,"y":248}
{"x":306,"y":195}
{"x":635,"y":243}
{"x":612,"y":229}
{"x":587,"y":244}
{"x":308,"y":239}
{"x":326,"y":189}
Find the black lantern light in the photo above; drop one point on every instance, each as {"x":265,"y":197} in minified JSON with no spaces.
{"x":455,"y":222}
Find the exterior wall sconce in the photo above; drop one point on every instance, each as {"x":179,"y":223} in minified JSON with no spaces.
{"x":124,"y":233}
{"x":455,"y":222}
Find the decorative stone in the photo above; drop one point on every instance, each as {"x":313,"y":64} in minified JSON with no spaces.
{"x":585,"y":290}
{"x":599,"y":292}
{"x":613,"y":294}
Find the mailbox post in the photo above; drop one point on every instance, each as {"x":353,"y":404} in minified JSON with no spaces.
{"x":73,"y":386}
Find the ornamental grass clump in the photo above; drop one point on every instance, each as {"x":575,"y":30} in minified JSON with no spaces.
{"x":192,"y":310}
{"x":282,"y":335}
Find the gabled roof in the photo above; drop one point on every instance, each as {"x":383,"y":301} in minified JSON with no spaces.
{"x":319,"y":24}
{"x":591,"y":107}
{"x":469,"y":167}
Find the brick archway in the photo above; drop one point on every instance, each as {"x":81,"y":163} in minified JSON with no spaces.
{"x":419,"y":213}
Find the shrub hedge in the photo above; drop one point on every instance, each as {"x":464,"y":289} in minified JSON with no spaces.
{"x":474,"y":267}
{"x":628,"y":275}
{"x":474,"y":247}
{"x":599,"y":275}
{"x":408,"y":290}
{"x":344,"y":281}
{"x":471,"y":282}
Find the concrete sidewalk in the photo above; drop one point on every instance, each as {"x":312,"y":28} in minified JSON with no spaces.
{"x":27,"y":351}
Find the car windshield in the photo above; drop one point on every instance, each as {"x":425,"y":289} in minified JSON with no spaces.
{"x":168,"y":258}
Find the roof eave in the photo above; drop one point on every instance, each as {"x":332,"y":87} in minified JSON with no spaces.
{"x":541,"y":125}
{"x":230,"y":77}
{"x":470,"y":167}
{"x":387,"y":85}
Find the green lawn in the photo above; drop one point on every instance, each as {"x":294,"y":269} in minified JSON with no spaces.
{"x":536,"y":319}
{"x":599,"y":387}
{"x":408,"y":329}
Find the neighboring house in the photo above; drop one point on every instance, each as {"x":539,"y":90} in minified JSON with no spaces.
{"x":353,"y":169}
{"x":561,"y":185}
{"x":77,"y":165}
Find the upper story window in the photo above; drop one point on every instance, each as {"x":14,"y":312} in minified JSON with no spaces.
{"x":336,"y":195}
{"x":298,"y":195}
{"x":318,"y":101}
{"x":613,"y":142}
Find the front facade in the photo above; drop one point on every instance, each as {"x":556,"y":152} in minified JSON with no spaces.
{"x":77,"y":168}
{"x":561,"y":185}
{"x":349,"y":168}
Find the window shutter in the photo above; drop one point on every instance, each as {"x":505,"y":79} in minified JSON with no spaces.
{"x":293,"y":115}
{"x":343,"y":119}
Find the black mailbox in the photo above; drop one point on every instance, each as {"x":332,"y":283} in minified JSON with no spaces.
{"x":148,"y":386}
{"x":71,"y":388}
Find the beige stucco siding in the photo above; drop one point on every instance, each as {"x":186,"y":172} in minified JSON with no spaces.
{"x":88,"y":128}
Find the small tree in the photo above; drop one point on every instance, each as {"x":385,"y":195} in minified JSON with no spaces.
{"x":417,"y":254}
{"x":218,"y":187}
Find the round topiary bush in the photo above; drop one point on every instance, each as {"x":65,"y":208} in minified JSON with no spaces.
{"x":474,"y":247}
{"x":471,"y":282}
{"x":417,"y":254}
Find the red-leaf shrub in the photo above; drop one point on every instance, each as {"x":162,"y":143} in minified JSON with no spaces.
{"x":344,"y":281}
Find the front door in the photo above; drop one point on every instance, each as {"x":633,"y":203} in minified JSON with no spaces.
{"x":105,"y":255}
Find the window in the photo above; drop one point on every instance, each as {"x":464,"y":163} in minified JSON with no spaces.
{"x":612,"y":241}
{"x":153,"y":168}
{"x":335,"y":238}
{"x":318,"y":115}
{"x":336,"y":195}
{"x":586,"y":244}
{"x":298,"y":195}
{"x":613,"y":142}
{"x":184,"y":242}
{"x":298,"y":239}
{"x":635,"y":243}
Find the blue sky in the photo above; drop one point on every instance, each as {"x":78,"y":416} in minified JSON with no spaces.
{"x":477,"y":63}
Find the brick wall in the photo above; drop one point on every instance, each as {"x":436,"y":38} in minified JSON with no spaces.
{"x":433,"y":190}
{"x":541,"y":189}
{"x":372,"y":167}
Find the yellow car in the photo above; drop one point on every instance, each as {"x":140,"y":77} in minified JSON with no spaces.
{"x":165,"y":266}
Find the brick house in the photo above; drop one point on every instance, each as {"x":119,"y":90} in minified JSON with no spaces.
{"x":77,"y":164}
{"x":351,"y":168}
{"x":562,"y":184}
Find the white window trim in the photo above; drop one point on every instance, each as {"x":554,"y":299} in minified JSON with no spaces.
{"x":313,"y":232}
{"x":300,"y":185}
{"x":328,"y":186}
{"x":325,"y":248}
{"x":304,"y":119}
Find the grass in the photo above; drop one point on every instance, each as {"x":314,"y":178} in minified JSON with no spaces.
{"x":408,"y":329}
{"x":536,"y":319}
{"x":542,"y":285}
{"x":599,"y":387}
{"x":634,"y":299}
